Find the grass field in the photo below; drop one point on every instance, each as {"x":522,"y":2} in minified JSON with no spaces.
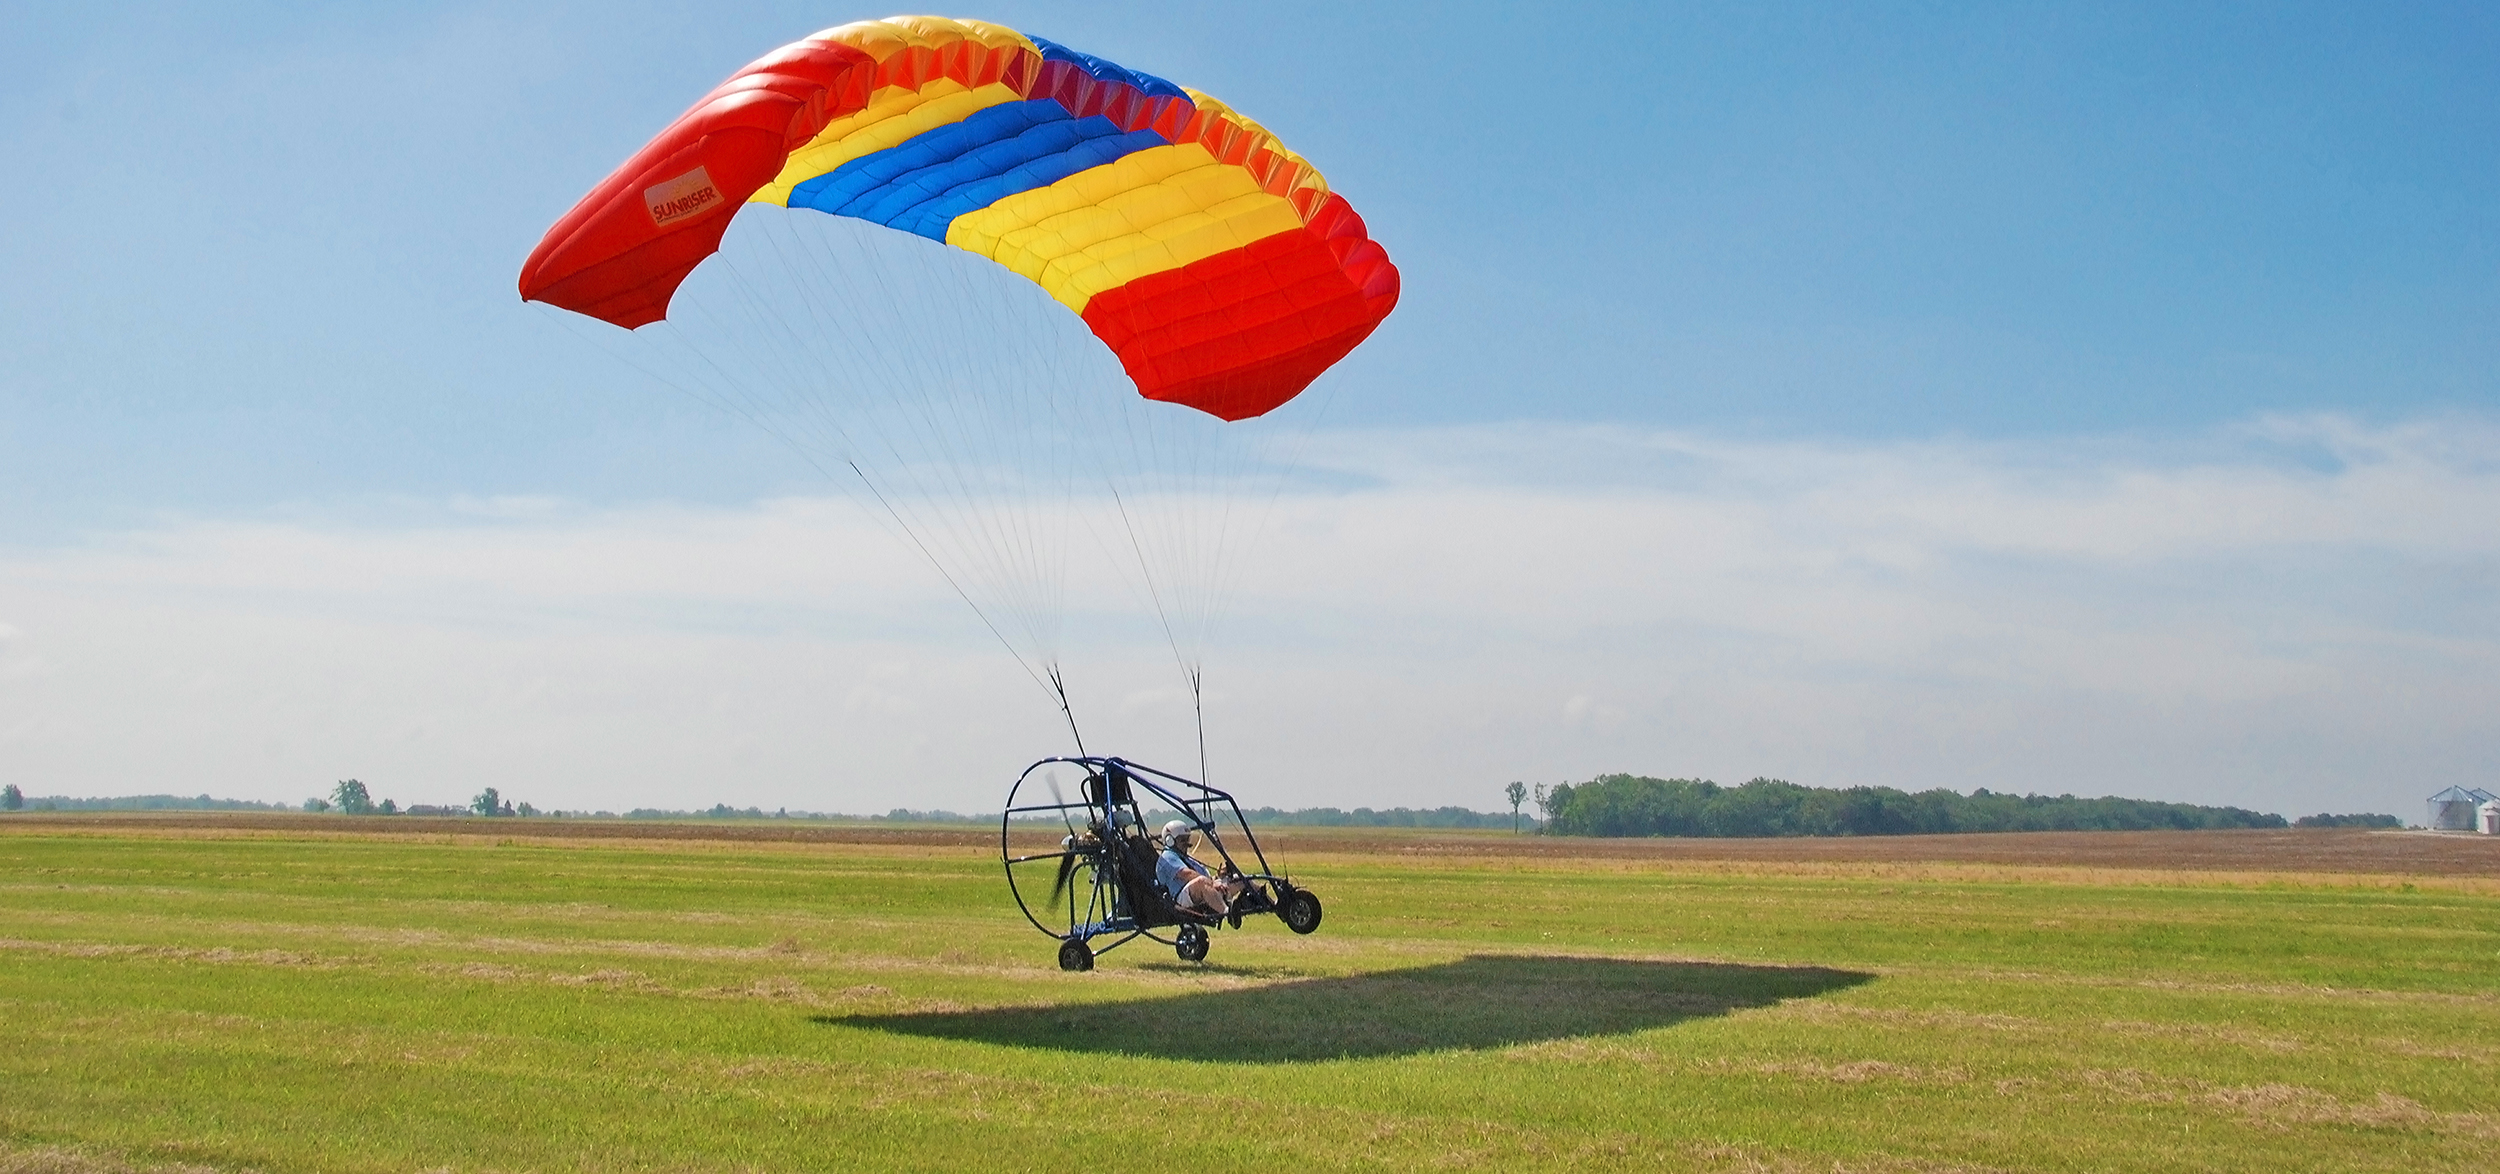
{"x":271,"y":996}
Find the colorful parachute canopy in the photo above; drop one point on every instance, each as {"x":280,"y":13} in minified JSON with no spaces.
{"x":1213,"y":261}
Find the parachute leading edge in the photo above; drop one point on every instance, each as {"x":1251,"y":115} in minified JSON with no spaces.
{"x":1213,"y":261}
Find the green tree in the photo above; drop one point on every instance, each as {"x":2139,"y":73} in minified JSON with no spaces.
{"x":11,"y":799}
{"x":1518,"y":793}
{"x":2324,"y":820}
{"x":352,"y":797}
{"x":389,"y":807}
{"x":1633,"y":805}
{"x":526,"y":810}
{"x":316,"y":804}
{"x":488,"y":802}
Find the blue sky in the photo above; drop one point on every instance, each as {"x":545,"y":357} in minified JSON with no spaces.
{"x":294,"y":228}
{"x":262,"y":259}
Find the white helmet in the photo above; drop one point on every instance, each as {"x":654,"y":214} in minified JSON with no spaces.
{"x":1177,"y":830}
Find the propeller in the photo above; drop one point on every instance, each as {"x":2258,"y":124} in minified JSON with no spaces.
{"x":1067,"y":858}
{"x":1067,"y":869}
{"x":1050,"y":779}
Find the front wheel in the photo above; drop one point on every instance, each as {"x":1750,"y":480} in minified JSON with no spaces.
{"x":1074,"y":954}
{"x":1300,"y":911}
{"x":1192,"y":946}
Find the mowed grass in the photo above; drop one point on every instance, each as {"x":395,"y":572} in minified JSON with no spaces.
{"x":307,"y":1002}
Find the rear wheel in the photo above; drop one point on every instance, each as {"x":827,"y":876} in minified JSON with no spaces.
{"x":1074,"y":954}
{"x":1192,"y":946}
{"x":1300,"y":911}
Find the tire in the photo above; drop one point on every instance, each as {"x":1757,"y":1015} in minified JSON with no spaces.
{"x":1074,"y":954}
{"x":1192,"y":946}
{"x":1300,"y":911}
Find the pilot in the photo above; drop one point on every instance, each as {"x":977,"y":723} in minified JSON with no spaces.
{"x":1187,"y":879}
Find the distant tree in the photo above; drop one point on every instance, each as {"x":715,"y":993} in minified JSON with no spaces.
{"x":1548,"y":800}
{"x":1517,"y":793}
{"x":389,"y":807}
{"x":2323,"y":820}
{"x":1393,"y":817}
{"x":11,"y":799}
{"x":488,"y":802}
{"x":525,"y":809}
{"x":1631,"y":805}
{"x":352,"y":798}
{"x":316,"y":804}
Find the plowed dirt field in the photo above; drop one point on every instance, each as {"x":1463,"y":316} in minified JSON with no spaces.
{"x":2339,"y":850}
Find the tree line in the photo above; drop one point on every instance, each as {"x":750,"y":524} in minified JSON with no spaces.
{"x":1609,"y":805}
{"x":1365,"y":817}
{"x":1635,"y":805}
{"x":1309,"y":817}
{"x":2324,"y":820}
{"x":12,"y":799}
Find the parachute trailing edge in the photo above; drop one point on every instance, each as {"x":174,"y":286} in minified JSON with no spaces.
{"x":1215,"y":263}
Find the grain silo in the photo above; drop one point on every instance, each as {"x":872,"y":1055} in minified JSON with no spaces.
{"x":2455,"y":809}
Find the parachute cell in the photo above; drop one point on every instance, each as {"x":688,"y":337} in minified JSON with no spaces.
{"x":1215,"y":263}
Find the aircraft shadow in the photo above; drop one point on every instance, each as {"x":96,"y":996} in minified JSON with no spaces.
{"x":1484,"y":1001}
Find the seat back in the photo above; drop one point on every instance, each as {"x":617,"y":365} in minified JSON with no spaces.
{"x":1146,"y":900}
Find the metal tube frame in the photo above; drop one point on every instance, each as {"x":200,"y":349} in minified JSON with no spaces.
{"x":1101,"y":915}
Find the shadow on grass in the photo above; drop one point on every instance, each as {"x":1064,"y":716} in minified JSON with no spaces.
{"x":1487,"y":1001}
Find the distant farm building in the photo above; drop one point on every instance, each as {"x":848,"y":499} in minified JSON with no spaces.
{"x":2458,"y":809}
{"x":2491,"y":817}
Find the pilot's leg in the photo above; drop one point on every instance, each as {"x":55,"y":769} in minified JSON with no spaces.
{"x":1202,"y":893}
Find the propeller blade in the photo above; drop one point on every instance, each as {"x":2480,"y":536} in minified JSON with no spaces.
{"x":1050,"y":778}
{"x":1067,"y":868}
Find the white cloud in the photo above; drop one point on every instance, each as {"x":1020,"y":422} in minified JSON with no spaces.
{"x":2297,"y":615}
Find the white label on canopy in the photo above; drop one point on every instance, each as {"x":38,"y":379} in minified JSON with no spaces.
{"x":683,"y":198}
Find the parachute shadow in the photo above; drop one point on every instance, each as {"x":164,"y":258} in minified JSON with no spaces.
{"x":1483,"y":1001}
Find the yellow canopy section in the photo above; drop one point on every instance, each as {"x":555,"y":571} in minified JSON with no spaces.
{"x":882,"y":39}
{"x":1100,"y":229}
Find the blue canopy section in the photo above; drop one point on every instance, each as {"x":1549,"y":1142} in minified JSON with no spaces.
{"x":923,"y":183}
{"x":1107,"y":71}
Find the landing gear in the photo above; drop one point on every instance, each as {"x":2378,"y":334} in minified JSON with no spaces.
{"x":1074,"y":954}
{"x":1300,"y":911}
{"x":1192,"y":946}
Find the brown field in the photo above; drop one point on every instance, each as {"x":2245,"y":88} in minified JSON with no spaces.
{"x":2333,"y":850}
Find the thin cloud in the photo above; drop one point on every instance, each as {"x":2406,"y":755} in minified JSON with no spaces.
{"x":2296,"y":614}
